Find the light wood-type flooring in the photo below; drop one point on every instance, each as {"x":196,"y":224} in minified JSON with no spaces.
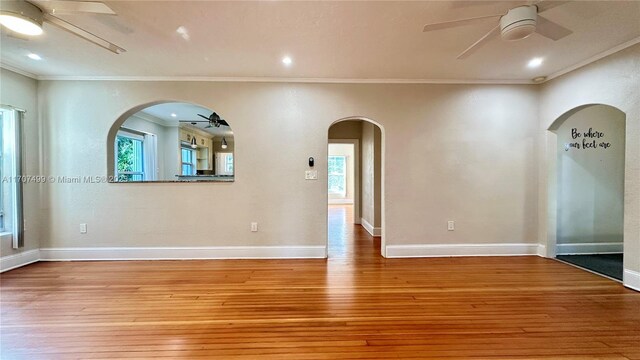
{"x":355,"y":305}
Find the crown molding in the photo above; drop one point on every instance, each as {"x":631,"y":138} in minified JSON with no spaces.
{"x":594,"y":58}
{"x":190,"y":128}
{"x":17,"y":70}
{"x":156,"y":120}
{"x":286,"y":80}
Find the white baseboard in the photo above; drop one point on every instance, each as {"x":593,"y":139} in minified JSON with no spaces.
{"x":587,"y":248}
{"x":340,"y":201}
{"x":441,"y":250}
{"x":631,"y":279}
{"x":542,"y":250}
{"x":183,"y":253}
{"x":20,"y":259}
{"x":374,"y":231}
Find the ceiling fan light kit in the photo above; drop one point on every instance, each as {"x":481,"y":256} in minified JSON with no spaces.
{"x":518,"y":23}
{"x":21,"y":17}
{"x":27,"y":17}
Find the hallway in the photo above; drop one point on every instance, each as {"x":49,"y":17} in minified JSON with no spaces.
{"x":348,"y":240}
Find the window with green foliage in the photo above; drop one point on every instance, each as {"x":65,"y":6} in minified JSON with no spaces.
{"x":129,"y":157}
{"x":338,"y":175}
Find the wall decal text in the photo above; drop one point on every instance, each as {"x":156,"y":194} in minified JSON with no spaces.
{"x":589,"y":140}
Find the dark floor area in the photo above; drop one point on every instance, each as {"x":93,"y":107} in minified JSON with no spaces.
{"x":606,"y":264}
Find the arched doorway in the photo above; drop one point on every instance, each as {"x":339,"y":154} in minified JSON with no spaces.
{"x":586,"y":158}
{"x":355,"y":187}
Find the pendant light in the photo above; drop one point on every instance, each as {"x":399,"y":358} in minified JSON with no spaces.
{"x":193,"y":142}
{"x":224,"y":143}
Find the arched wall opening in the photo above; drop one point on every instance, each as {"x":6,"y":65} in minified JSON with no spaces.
{"x":367,"y":138}
{"x":170,"y":141}
{"x":586,"y":169}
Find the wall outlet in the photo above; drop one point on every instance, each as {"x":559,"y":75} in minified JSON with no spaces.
{"x":83,"y":228}
{"x":451,"y":225}
{"x":311,"y":175}
{"x":254,"y":227}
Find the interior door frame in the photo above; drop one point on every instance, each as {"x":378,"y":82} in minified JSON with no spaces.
{"x":356,"y":174}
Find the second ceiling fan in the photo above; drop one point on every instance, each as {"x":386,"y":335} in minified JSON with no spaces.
{"x":214,"y":120}
{"x":516,"y":24}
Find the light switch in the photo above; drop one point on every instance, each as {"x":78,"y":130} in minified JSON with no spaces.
{"x":83,"y":228}
{"x":451,"y":225}
{"x":311,"y":175}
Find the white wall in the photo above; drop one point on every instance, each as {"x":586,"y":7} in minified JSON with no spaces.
{"x":170,"y":149}
{"x":591,"y":180}
{"x":21,"y":92}
{"x":465,"y":152}
{"x":371,"y":176}
{"x":348,"y":151}
{"x":377,"y":177}
{"x":612,"y":81}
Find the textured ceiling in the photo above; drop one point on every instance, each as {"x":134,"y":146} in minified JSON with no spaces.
{"x":327,"y":40}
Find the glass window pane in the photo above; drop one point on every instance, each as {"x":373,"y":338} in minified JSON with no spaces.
{"x":229,"y":163}
{"x":130,"y":159}
{"x":337,"y":174}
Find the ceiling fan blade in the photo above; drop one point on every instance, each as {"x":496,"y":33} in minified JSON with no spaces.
{"x":192,"y":121}
{"x":454,"y":23}
{"x":476,"y":45}
{"x":469,"y":3}
{"x":83,"y":34}
{"x":546,"y":5}
{"x":223,"y":123}
{"x":551,"y":30}
{"x":58,"y":7}
{"x":204,"y":117}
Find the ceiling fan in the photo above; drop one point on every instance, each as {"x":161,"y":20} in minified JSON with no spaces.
{"x":516,"y":24}
{"x":25,"y":18}
{"x":214,"y":120}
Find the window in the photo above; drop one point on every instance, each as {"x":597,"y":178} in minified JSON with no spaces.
{"x":188,"y":156}
{"x":338,"y":175}
{"x":224,"y":164}
{"x":129,"y":156}
{"x":228,"y":163}
{"x":11,"y":213}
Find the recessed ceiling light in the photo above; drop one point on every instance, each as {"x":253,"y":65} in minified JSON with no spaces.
{"x":287,"y":60}
{"x":535,"y":62}
{"x":183,"y":32}
{"x":173,"y":115}
{"x":33,"y":56}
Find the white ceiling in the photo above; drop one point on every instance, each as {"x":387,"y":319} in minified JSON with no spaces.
{"x":185,"y":112}
{"x":326,"y":39}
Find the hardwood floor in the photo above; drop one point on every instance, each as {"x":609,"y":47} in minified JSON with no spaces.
{"x":355,"y":305}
